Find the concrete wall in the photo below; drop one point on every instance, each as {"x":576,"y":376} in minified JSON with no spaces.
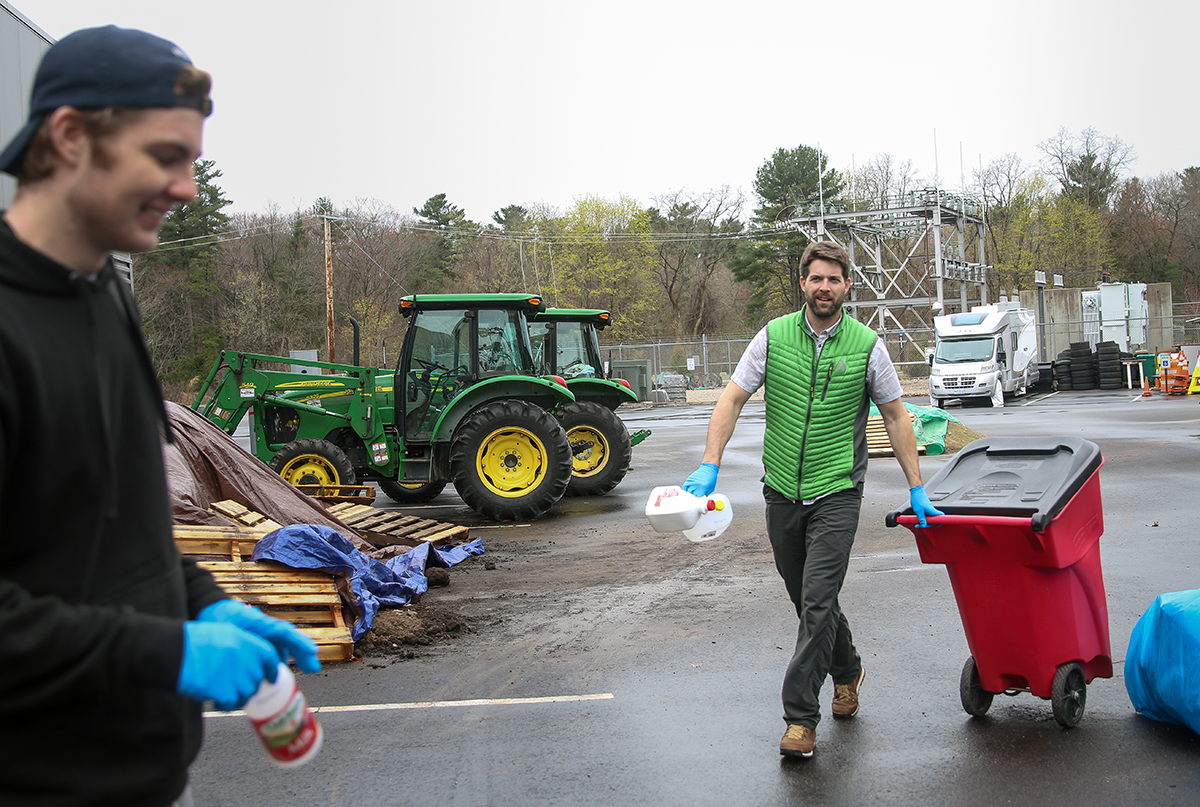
{"x":1064,"y":320}
{"x":1160,"y":330}
{"x":21,"y":47}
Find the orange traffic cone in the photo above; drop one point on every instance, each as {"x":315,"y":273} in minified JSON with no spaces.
{"x":1179,"y":374}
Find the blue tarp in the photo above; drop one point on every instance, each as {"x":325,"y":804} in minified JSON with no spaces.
{"x":1162,"y":665}
{"x":374,"y":583}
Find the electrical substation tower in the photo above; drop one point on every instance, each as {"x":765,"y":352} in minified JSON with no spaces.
{"x":909,"y":255}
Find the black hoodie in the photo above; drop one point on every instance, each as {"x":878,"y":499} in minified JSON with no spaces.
{"x":93,"y":593}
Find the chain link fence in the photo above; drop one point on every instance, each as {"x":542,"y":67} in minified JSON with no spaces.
{"x":708,"y":362}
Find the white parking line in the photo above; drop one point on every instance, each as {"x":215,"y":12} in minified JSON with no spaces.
{"x":391,"y":707}
{"x":1044,"y":397}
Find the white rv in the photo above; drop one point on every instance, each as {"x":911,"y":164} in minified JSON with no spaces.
{"x":984,"y":353}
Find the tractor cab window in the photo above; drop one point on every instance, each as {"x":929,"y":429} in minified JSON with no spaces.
{"x":540,"y":341}
{"x":438,"y":368}
{"x":499,"y":345}
{"x":573,"y":358}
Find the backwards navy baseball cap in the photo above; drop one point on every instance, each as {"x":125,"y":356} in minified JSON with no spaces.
{"x":97,"y":68}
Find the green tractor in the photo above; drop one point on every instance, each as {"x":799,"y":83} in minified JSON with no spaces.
{"x":466,"y":404}
{"x":565,"y":344}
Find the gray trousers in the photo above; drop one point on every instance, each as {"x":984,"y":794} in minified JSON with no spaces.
{"x":812,"y":551}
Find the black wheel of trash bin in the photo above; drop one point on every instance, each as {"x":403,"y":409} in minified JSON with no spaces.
{"x":1068,"y":695}
{"x":975,"y":699}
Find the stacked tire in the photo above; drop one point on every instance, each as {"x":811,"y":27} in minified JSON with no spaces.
{"x":1083,"y":370}
{"x":1062,"y":371}
{"x":1045,"y":378}
{"x":1110,"y":369}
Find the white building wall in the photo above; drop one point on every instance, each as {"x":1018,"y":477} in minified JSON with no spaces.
{"x":21,"y":47}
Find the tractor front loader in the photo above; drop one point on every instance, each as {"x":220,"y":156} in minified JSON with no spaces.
{"x":464,"y":405}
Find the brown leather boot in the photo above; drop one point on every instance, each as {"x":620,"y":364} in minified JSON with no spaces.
{"x":845,"y":696}
{"x":798,"y":741}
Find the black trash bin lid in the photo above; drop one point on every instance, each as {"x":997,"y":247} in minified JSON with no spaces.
{"x":1020,"y":477}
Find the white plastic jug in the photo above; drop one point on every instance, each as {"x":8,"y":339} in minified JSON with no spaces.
{"x":700,"y":518}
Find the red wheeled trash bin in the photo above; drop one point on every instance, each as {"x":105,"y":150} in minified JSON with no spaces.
{"x":1020,"y":540}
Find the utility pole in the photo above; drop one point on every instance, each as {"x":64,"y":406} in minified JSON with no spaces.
{"x":329,"y":351}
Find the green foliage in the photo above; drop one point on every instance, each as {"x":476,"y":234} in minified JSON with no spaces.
{"x":178,"y":285}
{"x":1151,"y":226}
{"x":1088,"y":165}
{"x":607,"y":262}
{"x":446,"y":243}
{"x":512,"y":218}
{"x":789,"y":183}
{"x":1090,"y":181}
{"x":1039,"y":229}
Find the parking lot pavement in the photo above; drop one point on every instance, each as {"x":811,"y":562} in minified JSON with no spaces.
{"x":610,"y":665}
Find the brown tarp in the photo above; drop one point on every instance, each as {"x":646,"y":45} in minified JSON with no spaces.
{"x":205,"y":465}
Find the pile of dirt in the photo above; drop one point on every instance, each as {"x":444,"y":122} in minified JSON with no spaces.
{"x":397,"y":631}
{"x":958,"y":435}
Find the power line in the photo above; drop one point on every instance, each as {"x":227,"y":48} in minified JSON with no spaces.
{"x":563,"y":239}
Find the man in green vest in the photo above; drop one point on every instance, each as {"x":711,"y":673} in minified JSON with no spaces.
{"x":821,"y":370}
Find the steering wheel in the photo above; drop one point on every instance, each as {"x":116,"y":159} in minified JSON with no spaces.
{"x":429,"y":365}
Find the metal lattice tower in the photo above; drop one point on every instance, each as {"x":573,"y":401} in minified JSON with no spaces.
{"x":907,"y":253}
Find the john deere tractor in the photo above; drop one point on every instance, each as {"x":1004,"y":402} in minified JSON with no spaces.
{"x":565,"y":344}
{"x":466,"y":404}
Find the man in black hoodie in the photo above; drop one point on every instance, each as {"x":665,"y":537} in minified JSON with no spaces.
{"x":110,"y":641}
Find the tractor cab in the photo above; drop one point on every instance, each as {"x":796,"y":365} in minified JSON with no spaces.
{"x":565,"y":341}
{"x":454,"y":342}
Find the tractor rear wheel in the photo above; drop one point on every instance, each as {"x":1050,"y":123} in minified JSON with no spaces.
{"x":600,"y":468}
{"x":313,"y":462}
{"x":510,"y":460}
{"x":411,"y":492}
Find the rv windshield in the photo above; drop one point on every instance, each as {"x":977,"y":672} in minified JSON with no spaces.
{"x":961,"y":351}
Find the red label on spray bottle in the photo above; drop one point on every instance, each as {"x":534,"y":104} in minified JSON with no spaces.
{"x":291,"y":734}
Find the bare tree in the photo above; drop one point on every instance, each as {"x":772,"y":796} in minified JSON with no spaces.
{"x":692,"y":242}
{"x":1088,"y":165}
{"x":882,"y":179}
{"x":999,"y":182}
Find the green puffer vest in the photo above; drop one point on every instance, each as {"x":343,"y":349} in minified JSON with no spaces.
{"x":813,"y":406}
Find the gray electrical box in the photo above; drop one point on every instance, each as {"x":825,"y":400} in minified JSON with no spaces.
{"x":639,"y":373}
{"x":304,"y":355}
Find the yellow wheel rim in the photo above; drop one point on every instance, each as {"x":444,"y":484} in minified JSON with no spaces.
{"x":309,"y":469}
{"x":511,"y":461}
{"x":593,"y":459}
{"x":412,"y":485}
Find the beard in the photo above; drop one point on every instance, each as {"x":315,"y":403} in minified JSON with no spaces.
{"x":824,"y":309}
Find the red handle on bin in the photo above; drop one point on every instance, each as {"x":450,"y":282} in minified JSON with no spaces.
{"x":950,"y":519}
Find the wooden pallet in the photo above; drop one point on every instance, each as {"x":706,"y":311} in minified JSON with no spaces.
{"x":388,"y":527}
{"x":257,"y":522}
{"x":359,"y":494}
{"x":308,"y":598}
{"x":878,"y":442}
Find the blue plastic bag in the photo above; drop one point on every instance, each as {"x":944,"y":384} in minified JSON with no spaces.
{"x":374,"y":583}
{"x":1162,"y":665}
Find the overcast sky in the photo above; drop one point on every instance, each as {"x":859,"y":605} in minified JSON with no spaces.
{"x":529,"y":102}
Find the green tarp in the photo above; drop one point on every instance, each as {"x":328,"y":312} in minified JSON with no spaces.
{"x":929,"y":425}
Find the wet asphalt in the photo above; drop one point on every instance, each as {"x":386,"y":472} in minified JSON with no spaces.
{"x":667,"y":691}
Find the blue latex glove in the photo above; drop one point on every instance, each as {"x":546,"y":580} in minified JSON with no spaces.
{"x":223,"y":663}
{"x":921,"y":506}
{"x":288,"y":641}
{"x":703,"y":480}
